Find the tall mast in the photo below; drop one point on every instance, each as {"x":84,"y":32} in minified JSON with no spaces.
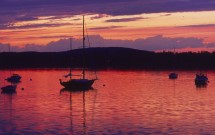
{"x":83,"y":34}
{"x":83,"y":51}
{"x":70,"y":70}
{"x":9,"y":65}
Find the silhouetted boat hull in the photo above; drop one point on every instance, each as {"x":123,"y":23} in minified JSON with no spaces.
{"x":77,"y":84}
{"x":15,"y":78}
{"x":201,"y":80}
{"x":173,"y":76}
{"x":9,"y":89}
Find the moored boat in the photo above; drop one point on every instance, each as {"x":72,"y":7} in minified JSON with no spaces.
{"x":14,"y":78}
{"x":173,"y":75}
{"x":9,"y":89}
{"x":201,"y":79}
{"x":82,"y":83}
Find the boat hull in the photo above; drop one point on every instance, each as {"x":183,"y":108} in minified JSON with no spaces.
{"x":78,"y":84}
{"x":173,"y":76}
{"x":14,"y":78}
{"x":201,"y":80}
{"x":9,"y":89}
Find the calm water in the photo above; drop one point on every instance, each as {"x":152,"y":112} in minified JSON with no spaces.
{"x":122,"y":102}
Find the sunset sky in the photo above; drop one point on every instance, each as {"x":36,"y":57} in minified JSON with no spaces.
{"x":47,"y":25}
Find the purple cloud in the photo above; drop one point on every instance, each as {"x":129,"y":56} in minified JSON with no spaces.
{"x":151,"y":44}
{"x":110,"y":27}
{"x":4,"y":47}
{"x":125,"y":19}
{"x":26,"y":18}
{"x":36,"y":26}
{"x":200,"y":26}
{"x":165,"y":43}
{"x":167,"y":15}
{"x":11,"y":10}
{"x":99,"y":16}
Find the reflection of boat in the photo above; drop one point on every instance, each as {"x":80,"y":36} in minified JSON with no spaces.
{"x":71,"y":110}
{"x":14,"y":78}
{"x":75,"y":90}
{"x":80,"y":83}
{"x":10,"y":89}
{"x":201,"y":80}
{"x":9,"y":95}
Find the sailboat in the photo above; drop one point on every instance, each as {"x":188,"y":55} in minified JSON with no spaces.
{"x":10,"y":89}
{"x":201,"y":80}
{"x":82,"y":83}
{"x":173,"y":75}
{"x":14,"y":78}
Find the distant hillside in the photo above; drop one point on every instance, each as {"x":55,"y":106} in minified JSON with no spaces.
{"x":108,"y":58}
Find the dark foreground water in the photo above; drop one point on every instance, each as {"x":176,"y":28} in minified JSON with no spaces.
{"x":122,"y":102}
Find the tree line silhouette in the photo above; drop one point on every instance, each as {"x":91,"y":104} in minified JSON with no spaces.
{"x":108,"y":58}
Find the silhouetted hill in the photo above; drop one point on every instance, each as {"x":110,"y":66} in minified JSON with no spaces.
{"x":103,"y":58}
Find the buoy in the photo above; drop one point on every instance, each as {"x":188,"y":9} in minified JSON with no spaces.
{"x":22,"y":88}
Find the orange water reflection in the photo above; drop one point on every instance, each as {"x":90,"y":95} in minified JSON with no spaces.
{"x":122,"y":102}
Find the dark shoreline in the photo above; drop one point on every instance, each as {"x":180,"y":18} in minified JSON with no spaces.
{"x":113,"y":58}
